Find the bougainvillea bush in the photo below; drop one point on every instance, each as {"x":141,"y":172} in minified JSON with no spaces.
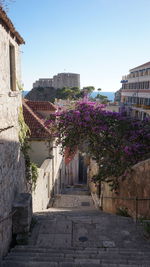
{"x":114,"y":140}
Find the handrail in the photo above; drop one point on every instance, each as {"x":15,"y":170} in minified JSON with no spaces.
{"x":127,"y":198}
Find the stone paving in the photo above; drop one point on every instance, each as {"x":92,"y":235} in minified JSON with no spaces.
{"x":74,"y":233}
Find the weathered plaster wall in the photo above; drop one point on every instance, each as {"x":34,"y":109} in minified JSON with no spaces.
{"x":12,"y":170}
{"x":94,"y":188}
{"x":40,"y":150}
{"x":50,"y":180}
{"x":72,"y":171}
{"x":92,"y":170}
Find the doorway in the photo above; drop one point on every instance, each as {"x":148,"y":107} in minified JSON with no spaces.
{"x":82,"y":170}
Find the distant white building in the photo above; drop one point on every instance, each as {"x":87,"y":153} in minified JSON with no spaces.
{"x":59,"y":81}
{"x":135,"y":92}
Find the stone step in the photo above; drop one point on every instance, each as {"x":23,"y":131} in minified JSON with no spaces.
{"x":76,"y":263}
{"x":76,"y":192}
{"x":64,"y":201}
{"x":82,"y":254}
{"x":76,"y":258}
{"x":79,"y":250}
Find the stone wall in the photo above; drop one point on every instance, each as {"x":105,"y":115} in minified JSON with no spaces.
{"x":136,"y":185}
{"x":50,"y":181}
{"x":12,"y":169}
{"x":5,"y":40}
{"x":94,"y":188}
{"x":131,"y":191}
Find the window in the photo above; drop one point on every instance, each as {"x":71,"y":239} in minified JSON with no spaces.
{"x":12,"y":67}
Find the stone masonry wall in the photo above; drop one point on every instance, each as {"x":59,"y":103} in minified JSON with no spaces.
{"x":5,"y":40}
{"x":12,"y":169}
{"x":136,"y":184}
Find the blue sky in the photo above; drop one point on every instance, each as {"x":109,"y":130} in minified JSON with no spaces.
{"x":100,"y":39}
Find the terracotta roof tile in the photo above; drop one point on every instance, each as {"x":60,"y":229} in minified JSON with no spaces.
{"x":5,"y":21}
{"x":40,"y":105}
{"x":35,"y":123}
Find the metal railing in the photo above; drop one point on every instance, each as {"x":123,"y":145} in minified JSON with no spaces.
{"x":135,"y":209}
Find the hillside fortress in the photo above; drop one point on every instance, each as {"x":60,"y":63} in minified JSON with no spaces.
{"x":59,"y":81}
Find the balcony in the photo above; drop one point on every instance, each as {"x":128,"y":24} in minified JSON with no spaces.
{"x":147,"y":107}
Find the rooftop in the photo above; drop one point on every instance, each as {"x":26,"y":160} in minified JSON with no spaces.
{"x":34,"y":120}
{"x":7,"y":23}
{"x":40,"y":105}
{"x":141,"y":66}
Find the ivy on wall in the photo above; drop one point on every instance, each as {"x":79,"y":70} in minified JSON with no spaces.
{"x":31,"y":169}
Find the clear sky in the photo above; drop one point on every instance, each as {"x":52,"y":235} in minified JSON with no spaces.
{"x":100,"y":39}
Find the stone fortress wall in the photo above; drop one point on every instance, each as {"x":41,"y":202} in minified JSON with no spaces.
{"x":59,"y":81}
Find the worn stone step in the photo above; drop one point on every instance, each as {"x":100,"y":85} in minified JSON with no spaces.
{"x":80,"y":254}
{"x":68,"y":264}
{"x":79,"y":260}
{"x":80,"y":250}
{"x":71,"y":257}
{"x":73,"y":201}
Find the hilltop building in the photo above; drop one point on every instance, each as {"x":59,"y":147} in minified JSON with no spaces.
{"x":45,"y":82}
{"x":135,"y":91}
{"x":59,"y":81}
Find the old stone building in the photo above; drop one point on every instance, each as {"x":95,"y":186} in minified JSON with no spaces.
{"x":12,"y":169}
{"x":65,"y":79}
{"x":44,"y":152}
{"x":40,"y":140}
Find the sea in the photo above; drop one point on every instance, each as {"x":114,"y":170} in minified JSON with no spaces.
{"x":110,"y":95}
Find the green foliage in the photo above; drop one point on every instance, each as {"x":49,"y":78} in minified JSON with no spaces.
{"x":20,"y":87}
{"x":116,"y":141}
{"x":123,"y":211}
{"x":68,"y":93}
{"x":40,"y":89}
{"x":146,"y":225}
{"x":88,"y":89}
{"x":23,"y":128}
{"x":34,"y":171}
{"x":103,"y":99}
{"x":31,"y":168}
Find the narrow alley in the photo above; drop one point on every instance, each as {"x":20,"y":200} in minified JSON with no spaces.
{"x":74,"y":233}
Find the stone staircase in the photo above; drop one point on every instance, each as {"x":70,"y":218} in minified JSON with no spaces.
{"x":27,"y":256}
{"x":74,"y":234}
{"x":77,"y":189}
